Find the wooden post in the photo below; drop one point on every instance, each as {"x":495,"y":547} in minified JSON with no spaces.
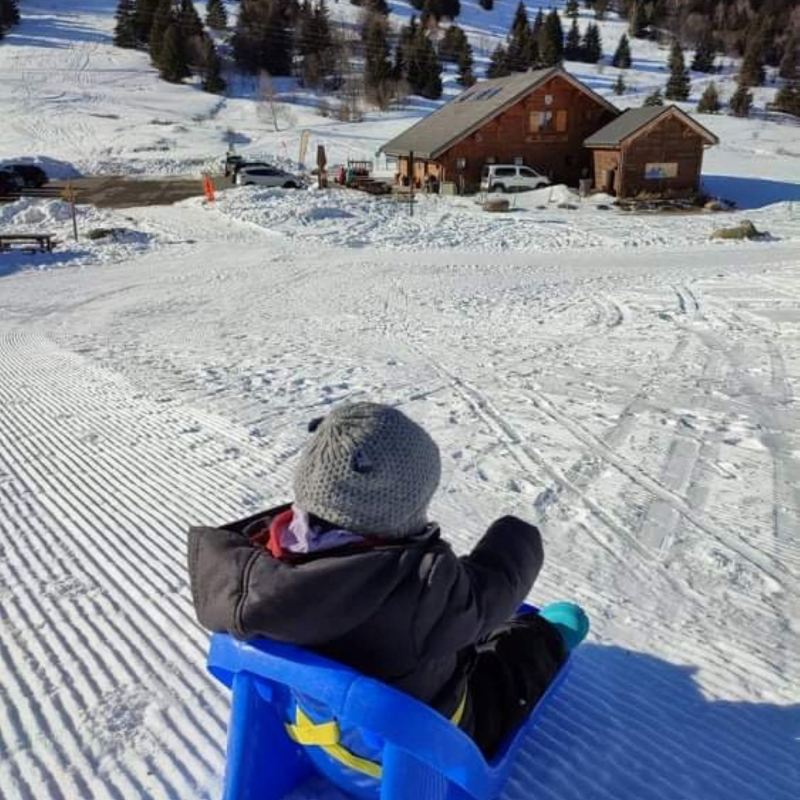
{"x":69,"y":196}
{"x":411,"y":182}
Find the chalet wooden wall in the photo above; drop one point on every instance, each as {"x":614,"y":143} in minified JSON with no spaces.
{"x":560,"y":154}
{"x":670,"y":141}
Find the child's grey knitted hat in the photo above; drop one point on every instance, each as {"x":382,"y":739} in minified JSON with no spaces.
{"x":369,"y":469}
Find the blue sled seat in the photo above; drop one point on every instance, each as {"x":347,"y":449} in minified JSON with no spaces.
{"x":294,"y":713}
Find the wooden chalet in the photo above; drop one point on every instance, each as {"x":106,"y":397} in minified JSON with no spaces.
{"x":654,"y":150}
{"x":538,"y":118}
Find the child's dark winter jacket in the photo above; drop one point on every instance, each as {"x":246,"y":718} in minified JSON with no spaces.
{"x":407,"y":612}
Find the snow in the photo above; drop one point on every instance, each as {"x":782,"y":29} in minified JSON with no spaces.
{"x":617,"y":378}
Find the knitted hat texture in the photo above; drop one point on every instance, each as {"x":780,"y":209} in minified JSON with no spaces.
{"x":368,"y":468}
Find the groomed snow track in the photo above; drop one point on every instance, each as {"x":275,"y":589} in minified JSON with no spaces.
{"x":132,"y":406}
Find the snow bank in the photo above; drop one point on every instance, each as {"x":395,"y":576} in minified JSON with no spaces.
{"x":551,"y":219}
{"x":29,"y":215}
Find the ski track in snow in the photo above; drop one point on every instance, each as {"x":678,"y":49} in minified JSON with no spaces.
{"x":644,"y":413}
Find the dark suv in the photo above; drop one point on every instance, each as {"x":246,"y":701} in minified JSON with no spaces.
{"x":32,"y":176}
{"x":10,"y":183}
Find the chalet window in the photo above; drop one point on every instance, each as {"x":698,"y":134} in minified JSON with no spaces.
{"x":660,"y":171}
{"x":490,"y":159}
{"x":461,"y":163}
{"x":518,"y":160}
{"x":541,"y":121}
{"x":561,"y":120}
{"x":548,"y":99}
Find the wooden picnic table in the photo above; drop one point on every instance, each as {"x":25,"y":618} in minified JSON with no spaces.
{"x":43,"y":242}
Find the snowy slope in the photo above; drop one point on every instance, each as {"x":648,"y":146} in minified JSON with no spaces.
{"x":70,"y":97}
{"x":617,"y":378}
{"x":642,"y":409}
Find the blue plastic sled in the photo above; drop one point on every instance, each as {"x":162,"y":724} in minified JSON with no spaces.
{"x":294,"y":712}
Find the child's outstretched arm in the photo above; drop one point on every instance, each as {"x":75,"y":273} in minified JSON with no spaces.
{"x":484,"y":588}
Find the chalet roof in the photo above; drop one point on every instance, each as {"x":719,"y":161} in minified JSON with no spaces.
{"x":457,"y":119}
{"x":634,"y":120}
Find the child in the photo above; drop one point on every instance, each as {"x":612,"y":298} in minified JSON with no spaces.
{"x":355,"y":571}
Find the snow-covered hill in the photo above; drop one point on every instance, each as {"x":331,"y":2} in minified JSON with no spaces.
{"x":618,"y":378}
{"x":69,"y":96}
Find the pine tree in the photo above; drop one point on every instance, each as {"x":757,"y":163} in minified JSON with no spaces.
{"x":125,"y":27}
{"x":709,"y":100}
{"x":572,"y":44}
{"x":622,"y":57}
{"x":788,"y":65}
{"x":517,"y":51}
{"x":9,"y":15}
{"x":551,"y":44}
{"x":678,"y":85}
{"x":327,"y":49}
{"x":143,"y":19}
{"x":377,"y":66}
{"x":741,"y":102}
{"x":466,"y":66}
{"x":538,"y":26}
{"x":424,"y":67}
{"x":788,"y":98}
{"x":216,"y":15}
{"x":705,"y":53}
{"x":192,"y":33}
{"x":619,"y":85}
{"x":637,"y":24}
{"x":498,"y":63}
{"x":752,"y":70}
{"x":245,"y":38}
{"x":446,"y":8}
{"x":213,"y":81}
{"x":572,"y":9}
{"x":600,"y":9}
{"x":399,"y":64}
{"x":486,"y":5}
{"x":172,"y":64}
{"x":189,"y":20}
{"x":162,"y":20}
{"x":262,"y":41}
{"x":654,"y":99}
{"x":592,"y":46}
{"x":452,"y":44}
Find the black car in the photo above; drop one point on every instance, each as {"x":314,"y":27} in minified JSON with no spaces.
{"x":10,"y":183}
{"x":32,"y":176}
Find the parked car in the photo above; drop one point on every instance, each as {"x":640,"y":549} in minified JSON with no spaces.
{"x":10,"y":183}
{"x":32,"y":176}
{"x":238,"y":167}
{"x":265,"y":175}
{"x":511,"y":178}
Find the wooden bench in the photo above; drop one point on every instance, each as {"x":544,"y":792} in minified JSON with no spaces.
{"x":32,"y":242}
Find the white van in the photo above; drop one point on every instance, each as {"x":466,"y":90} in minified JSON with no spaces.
{"x":511,"y":178}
